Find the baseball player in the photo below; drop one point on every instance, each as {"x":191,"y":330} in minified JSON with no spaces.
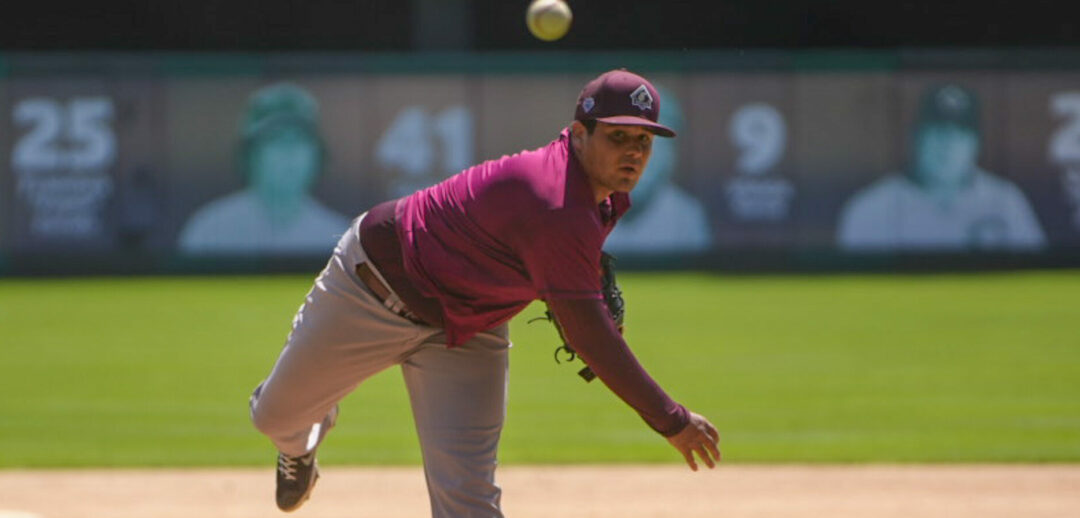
{"x":429,"y":282}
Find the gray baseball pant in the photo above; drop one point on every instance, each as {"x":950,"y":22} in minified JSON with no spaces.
{"x":343,"y":334}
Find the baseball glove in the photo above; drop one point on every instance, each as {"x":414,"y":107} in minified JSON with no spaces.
{"x":615,"y":304}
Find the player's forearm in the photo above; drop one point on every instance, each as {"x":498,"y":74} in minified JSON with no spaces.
{"x":593,"y":335}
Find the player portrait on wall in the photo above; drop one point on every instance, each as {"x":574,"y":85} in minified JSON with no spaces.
{"x":942,"y":200}
{"x":280,"y":157}
{"x":429,"y":281}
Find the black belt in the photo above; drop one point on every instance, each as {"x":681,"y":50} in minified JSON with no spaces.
{"x":383,"y":292}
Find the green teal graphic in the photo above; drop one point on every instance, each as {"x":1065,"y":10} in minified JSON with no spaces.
{"x":280,"y":157}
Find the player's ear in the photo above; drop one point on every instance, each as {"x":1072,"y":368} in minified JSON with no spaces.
{"x":578,"y":132}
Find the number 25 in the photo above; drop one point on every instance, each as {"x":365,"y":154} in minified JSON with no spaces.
{"x":75,"y":135}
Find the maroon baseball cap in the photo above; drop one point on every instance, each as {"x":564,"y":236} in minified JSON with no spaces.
{"x":621,"y":97}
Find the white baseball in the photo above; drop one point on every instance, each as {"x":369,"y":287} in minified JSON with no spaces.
{"x":548,"y":20}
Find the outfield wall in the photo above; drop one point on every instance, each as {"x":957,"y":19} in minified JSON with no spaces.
{"x":165,"y":162}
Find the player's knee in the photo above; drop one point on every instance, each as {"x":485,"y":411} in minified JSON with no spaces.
{"x":470,"y":445}
{"x":263,"y":417}
{"x":266,"y":422}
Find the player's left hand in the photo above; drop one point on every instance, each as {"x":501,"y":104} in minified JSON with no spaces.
{"x":699,"y":436}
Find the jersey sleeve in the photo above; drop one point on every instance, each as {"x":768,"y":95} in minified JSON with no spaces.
{"x":592,"y":333}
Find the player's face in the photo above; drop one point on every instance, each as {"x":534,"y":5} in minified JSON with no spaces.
{"x":946,"y":155}
{"x":613,"y":156}
{"x":284,"y":164}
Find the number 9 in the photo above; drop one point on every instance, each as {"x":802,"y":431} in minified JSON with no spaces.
{"x":759,"y":131}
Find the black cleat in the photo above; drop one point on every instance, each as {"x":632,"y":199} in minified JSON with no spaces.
{"x":296,"y":478}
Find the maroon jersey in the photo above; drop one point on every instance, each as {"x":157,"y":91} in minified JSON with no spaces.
{"x":493,"y":238}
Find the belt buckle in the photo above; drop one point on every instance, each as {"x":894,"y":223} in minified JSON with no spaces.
{"x":395,"y":304}
{"x":392,"y":301}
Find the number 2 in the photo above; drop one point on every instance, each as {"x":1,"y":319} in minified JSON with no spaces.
{"x":1064,"y":145}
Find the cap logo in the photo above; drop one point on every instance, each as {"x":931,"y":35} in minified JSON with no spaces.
{"x":587,"y":104}
{"x":954,"y":100}
{"x":641,"y":98}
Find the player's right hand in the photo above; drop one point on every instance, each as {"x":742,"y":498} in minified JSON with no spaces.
{"x":699,"y":436}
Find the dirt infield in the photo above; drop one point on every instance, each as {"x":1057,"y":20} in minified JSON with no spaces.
{"x":587,"y":492}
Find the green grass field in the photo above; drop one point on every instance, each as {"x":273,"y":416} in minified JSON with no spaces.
{"x":926,"y":368}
